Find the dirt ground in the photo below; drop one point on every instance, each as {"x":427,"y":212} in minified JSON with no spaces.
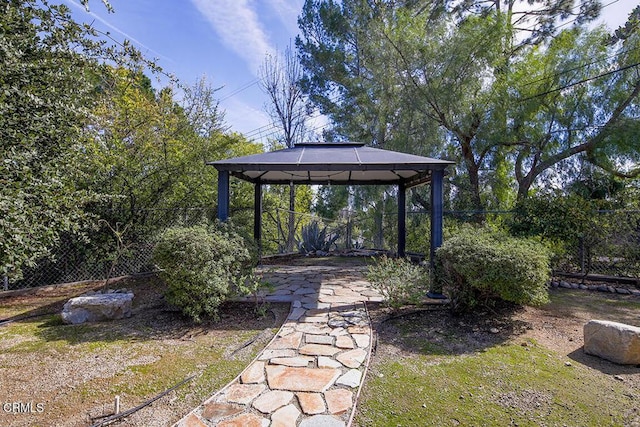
{"x":68,"y":375}
{"x":53,"y":374}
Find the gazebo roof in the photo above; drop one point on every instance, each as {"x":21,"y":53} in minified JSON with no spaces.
{"x":333,"y":163}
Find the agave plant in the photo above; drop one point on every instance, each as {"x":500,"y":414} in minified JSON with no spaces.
{"x":316,"y":239}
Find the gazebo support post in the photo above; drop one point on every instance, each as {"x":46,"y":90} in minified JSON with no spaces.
{"x":223,"y":195}
{"x":402,"y":220}
{"x":257,"y":216}
{"x":437,"y":176}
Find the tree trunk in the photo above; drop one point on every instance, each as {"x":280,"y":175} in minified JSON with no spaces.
{"x":291,"y":237}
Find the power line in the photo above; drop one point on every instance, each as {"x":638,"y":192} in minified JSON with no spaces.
{"x":240,"y":89}
{"x":548,"y":92}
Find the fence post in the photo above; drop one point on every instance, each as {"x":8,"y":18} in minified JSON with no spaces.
{"x":581,"y":254}
{"x":349,"y":231}
{"x":5,"y":282}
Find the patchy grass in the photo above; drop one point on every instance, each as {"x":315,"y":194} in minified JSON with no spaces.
{"x":521,"y":367}
{"x":77,"y":370}
{"x":504,"y":385}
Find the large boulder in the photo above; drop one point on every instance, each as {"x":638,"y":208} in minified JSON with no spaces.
{"x":97,"y":307}
{"x":613,"y":341}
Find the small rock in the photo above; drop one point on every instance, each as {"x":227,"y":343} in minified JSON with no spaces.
{"x":494,"y":330}
{"x":618,"y":377}
{"x":623,"y":291}
{"x":567,"y":364}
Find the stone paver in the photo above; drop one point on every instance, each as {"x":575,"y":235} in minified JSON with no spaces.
{"x":254,"y":374}
{"x":309,"y":374}
{"x":216,"y":411}
{"x":319,"y":339}
{"x":338,"y":400}
{"x":344,"y":341}
{"x":350,"y":379}
{"x":311,"y":403}
{"x":300,"y":361}
{"x":301,"y":379}
{"x":272,"y":400}
{"x":243,"y":393}
{"x":285,"y":417}
{"x":352,"y":358}
{"x":318,"y":350}
{"x":191,"y":420}
{"x":322,"y":421}
{"x":289,"y":341}
{"x":328,"y":362}
{"x":245,"y":420}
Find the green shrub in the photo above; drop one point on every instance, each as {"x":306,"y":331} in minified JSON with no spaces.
{"x":203,"y":266}
{"x":479,"y":267}
{"x":398,"y":280}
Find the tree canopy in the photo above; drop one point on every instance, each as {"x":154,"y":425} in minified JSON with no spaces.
{"x":517,"y":92}
{"x":89,"y":145}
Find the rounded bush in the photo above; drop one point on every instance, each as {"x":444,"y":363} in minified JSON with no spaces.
{"x":202,"y":266}
{"x":479,"y":266}
{"x":398,"y":280}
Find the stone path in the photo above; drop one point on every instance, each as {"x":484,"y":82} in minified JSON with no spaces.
{"x":310,"y":374}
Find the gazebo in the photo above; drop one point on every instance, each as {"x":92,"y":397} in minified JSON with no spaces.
{"x":348,"y":163}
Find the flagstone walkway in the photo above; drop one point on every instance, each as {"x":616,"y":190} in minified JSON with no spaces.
{"x":310,"y":374}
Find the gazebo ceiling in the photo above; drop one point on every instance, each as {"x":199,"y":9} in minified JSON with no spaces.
{"x":333,"y":163}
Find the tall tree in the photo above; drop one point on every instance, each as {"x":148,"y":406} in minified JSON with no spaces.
{"x":46,"y":94}
{"x":280,"y":77}
{"x":480,"y":71}
{"x":149,"y":152}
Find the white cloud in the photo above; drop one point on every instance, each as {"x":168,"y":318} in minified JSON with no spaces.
{"x":237,"y":24}
{"x":288,"y":11}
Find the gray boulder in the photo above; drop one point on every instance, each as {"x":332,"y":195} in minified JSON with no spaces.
{"x":97,"y":307}
{"x":613,"y":341}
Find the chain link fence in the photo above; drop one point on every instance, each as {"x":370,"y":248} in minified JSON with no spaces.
{"x":611,"y":248}
{"x":111,"y":251}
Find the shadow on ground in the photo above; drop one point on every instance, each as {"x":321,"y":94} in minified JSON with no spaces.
{"x":152,"y":318}
{"x":436,"y":331}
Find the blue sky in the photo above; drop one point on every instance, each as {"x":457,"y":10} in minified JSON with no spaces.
{"x":226,"y":41}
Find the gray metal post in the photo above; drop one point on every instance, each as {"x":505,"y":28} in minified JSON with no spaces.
{"x":402,"y":220}
{"x":223,"y":195}
{"x":436,"y":225}
{"x":257,"y":215}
